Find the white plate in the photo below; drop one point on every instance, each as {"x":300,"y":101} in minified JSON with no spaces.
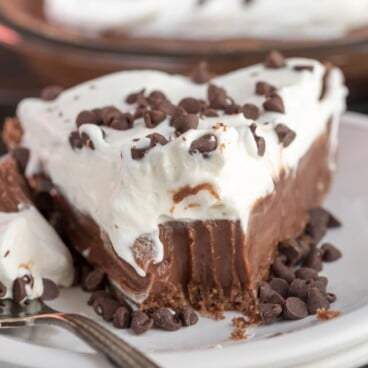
{"x":341,"y":342}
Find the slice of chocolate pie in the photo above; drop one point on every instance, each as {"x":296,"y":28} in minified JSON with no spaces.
{"x":180,"y":191}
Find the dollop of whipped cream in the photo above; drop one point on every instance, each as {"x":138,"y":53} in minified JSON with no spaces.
{"x":213,"y":19}
{"x":128,"y":198}
{"x":29,"y":246}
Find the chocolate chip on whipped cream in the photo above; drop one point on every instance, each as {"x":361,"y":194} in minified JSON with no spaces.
{"x":274,"y":103}
{"x":200,"y":73}
{"x":75,"y":140}
{"x":155,"y":139}
{"x":264,"y":88}
{"x":251,"y":111}
{"x":286,"y":135}
{"x":50,"y":93}
{"x":274,"y":60}
{"x":153,"y":117}
{"x":191,"y":105}
{"x":204,"y":145}
{"x":184,"y":122}
{"x":217,"y":97}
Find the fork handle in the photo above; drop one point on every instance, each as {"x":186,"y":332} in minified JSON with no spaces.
{"x":119,"y":352}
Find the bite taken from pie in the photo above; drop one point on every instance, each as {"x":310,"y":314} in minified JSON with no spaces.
{"x":180,"y":189}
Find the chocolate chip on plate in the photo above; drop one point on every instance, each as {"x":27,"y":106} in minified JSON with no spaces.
{"x":122,"y":318}
{"x":299,"y":289}
{"x":269,"y":312}
{"x":187,"y":316}
{"x":105,"y":307}
{"x":205,"y":144}
{"x":280,"y":285}
{"x":50,"y":290}
{"x":330,"y":253}
{"x":51,"y":93}
{"x":295,"y":308}
{"x":274,"y":103}
{"x":140,"y":322}
{"x":95,"y":295}
{"x":316,"y":299}
{"x":94,"y":280}
{"x":317,"y":224}
{"x":274,"y":60}
{"x":306,"y":273}
{"x":164,"y":319}
{"x":314,"y":259}
{"x":286,"y":135}
{"x":281,"y":270}
{"x":292,"y":251}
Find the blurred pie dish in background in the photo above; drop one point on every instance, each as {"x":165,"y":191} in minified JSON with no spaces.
{"x":65,"y":41}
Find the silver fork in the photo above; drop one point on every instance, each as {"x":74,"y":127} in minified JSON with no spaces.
{"x":35,"y":312}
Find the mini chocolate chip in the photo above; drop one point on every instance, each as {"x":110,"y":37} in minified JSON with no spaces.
{"x":295,"y":309}
{"x":95,"y":295}
{"x":251,"y":111}
{"x":75,"y":140}
{"x":50,"y":290}
{"x":21,"y":156}
{"x":191,"y":105}
{"x":133,"y":97}
{"x":163,"y":318}
{"x":314,"y":259}
{"x":285,"y":135}
{"x":210,"y":113}
{"x":187,"y":316}
{"x":280,"y":285}
{"x":274,"y":103}
{"x":19,"y":290}
{"x":274,"y":60}
{"x":88,"y":117}
{"x":141,"y":322}
{"x":292,"y":251}
{"x":281,"y":270}
{"x":264,"y":88}
{"x":2,"y":290}
{"x":200,"y":73}
{"x":122,"y":318}
{"x":123,"y":122}
{"x":205,"y":144}
{"x":94,"y":280}
{"x":306,"y":273}
{"x":319,"y":282}
{"x":105,"y":307}
{"x":331,"y":297}
{"x":153,"y":117}
{"x":261,"y":145}
{"x":86,"y":140}
{"x":167,"y":108}
{"x":300,"y":68}
{"x":316,"y":299}
{"x":51,"y":93}
{"x":183,"y":123}
{"x":217,"y":97}
{"x":232,"y":108}
{"x":317,"y":224}
{"x":330,"y":253}
{"x":269,"y":312}
{"x":298,"y":288}
{"x":155,"y":98}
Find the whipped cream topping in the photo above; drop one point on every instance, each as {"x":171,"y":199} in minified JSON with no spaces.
{"x":214,"y":19}
{"x":29,"y":246}
{"x":129,"y":198}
